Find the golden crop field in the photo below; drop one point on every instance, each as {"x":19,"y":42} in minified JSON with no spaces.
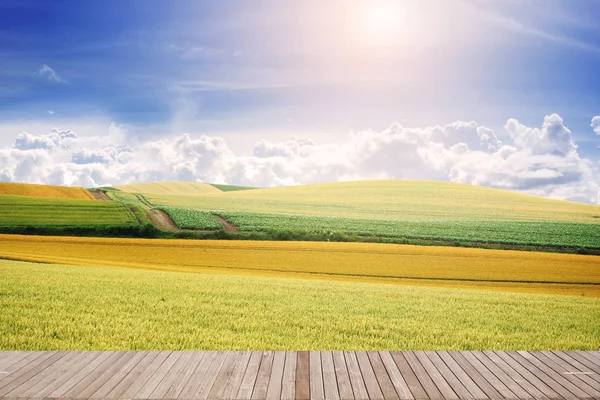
{"x":175,"y":188}
{"x":391,"y":199}
{"x":46,"y":191}
{"x":360,"y":262}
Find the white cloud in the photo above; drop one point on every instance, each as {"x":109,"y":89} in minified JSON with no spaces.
{"x":542,"y":161}
{"x":596,"y":124}
{"x":45,"y":72}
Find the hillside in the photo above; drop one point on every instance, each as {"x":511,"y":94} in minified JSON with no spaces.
{"x":45,"y":191}
{"x":390,"y":199}
{"x":170,"y":188}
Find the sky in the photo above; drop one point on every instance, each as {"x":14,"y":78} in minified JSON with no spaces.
{"x":500,"y":93}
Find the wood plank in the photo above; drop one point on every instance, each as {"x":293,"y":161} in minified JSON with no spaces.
{"x":188,"y":371}
{"x":595,"y":354}
{"x":483,"y":384}
{"x":409,"y":376}
{"x":29,"y":371}
{"x":342,"y":376}
{"x":366,"y":369}
{"x":216,"y":392}
{"x":461,"y":375}
{"x":145,"y":376}
{"x":288,"y":383}
{"x":489,"y":376}
{"x":264,"y":373}
{"x":317,"y":390}
{"x":553,"y":375}
{"x":515,"y":375}
{"x":106,"y":375}
{"x":23,"y":367}
{"x":356,"y":378}
{"x":582,"y":360}
{"x":8,"y":358}
{"x":557,"y":387}
{"x":503,"y":376}
{"x":196,"y":379}
{"x":158,"y":375}
{"x":211,"y":376}
{"x":302,"y":383}
{"x":83,"y":380}
{"x":175,"y":373}
{"x":422,"y":375}
{"x":119,"y":375}
{"x":276,"y":378}
{"x":436,"y":376}
{"x":234,"y":383}
{"x":134,"y":374}
{"x":531,"y":378}
{"x":395,"y":375}
{"x":385,"y":383}
{"x":584,"y":382}
{"x":590,"y":357}
{"x":455,"y":383}
{"x":43,"y":378}
{"x":330,"y":383}
{"x":573,"y":363}
{"x":44,"y":389}
{"x":21,"y":363}
{"x":247,"y":386}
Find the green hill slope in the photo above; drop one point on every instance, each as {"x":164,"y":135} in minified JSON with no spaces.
{"x":391,"y":199}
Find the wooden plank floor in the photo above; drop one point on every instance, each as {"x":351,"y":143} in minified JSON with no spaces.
{"x":300,"y":375}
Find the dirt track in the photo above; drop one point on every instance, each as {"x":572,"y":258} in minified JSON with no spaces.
{"x":99,"y":195}
{"x":229,"y":227}
{"x":161,"y":220}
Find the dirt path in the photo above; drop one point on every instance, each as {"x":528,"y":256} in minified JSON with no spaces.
{"x":229,"y":227}
{"x":100,"y":195}
{"x":161,"y":220}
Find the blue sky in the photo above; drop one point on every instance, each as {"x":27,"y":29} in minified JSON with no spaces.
{"x":267,"y":70}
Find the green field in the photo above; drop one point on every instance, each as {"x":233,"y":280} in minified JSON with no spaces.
{"x":392,"y":199}
{"x":20,"y":211}
{"x":45,"y":307}
{"x":186,"y":218}
{"x":231,"y":188}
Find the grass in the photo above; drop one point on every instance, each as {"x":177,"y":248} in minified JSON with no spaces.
{"x":173,"y":188}
{"x":530,"y":272}
{"x":46,"y":307}
{"x":232,"y":188}
{"x":20,"y":211}
{"x":44,"y":191}
{"x":186,"y":218}
{"x":397,"y":199}
{"x":535,"y":233}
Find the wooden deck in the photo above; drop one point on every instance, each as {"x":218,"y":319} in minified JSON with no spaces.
{"x":300,"y":375}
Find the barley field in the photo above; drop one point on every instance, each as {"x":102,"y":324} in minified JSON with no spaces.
{"x":44,"y":191}
{"x":177,"y":188}
{"x":498,"y":270}
{"x":46,"y":307}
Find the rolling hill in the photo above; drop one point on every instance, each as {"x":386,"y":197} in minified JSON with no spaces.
{"x":45,"y":191}
{"x":170,"y":188}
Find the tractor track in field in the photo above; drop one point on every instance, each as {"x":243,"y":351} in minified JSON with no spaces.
{"x":229,"y":227}
{"x":100,"y":195}
{"x":161,"y":220}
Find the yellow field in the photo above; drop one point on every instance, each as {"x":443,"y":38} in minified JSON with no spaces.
{"x":390,"y":199}
{"x":363,"y":262}
{"x":54,"y":192}
{"x":173,"y":188}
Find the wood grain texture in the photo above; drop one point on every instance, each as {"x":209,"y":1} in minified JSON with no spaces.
{"x":302,"y":375}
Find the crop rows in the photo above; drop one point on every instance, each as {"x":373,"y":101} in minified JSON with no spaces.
{"x":186,"y":218}
{"x":17,"y":211}
{"x":507,"y":232}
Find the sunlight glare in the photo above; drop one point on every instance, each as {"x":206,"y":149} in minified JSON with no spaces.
{"x":383,"y":20}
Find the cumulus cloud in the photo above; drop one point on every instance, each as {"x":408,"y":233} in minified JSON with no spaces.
{"x":539,"y":160}
{"x":596,"y":124}
{"x":45,"y":72}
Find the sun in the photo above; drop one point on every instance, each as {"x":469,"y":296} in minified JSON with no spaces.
{"x":383,"y":20}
